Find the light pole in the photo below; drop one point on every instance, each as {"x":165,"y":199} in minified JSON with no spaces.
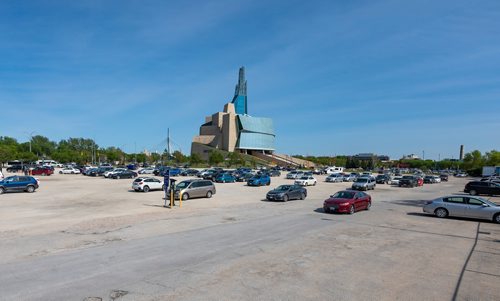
{"x":31,"y":137}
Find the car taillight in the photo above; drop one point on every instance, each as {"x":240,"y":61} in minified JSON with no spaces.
{"x":140,"y":183}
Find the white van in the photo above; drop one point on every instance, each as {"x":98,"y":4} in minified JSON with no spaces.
{"x":334,"y":169}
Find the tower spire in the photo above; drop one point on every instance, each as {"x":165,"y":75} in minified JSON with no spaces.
{"x":240,"y":94}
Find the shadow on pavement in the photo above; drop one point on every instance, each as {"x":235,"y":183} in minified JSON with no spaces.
{"x":414,"y":203}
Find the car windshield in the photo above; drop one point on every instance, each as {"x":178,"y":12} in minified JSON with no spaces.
{"x":343,"y":195}
{"x":283,"y":187}
{"x":407,"y":177}
{"x":361,"y":180}
{"x":304,"y":178}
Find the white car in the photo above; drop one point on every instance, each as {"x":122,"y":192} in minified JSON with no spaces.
{"x":69,"y":170}
{"x":108,"y":173}
{"x":334,"y":178}
{"x":306,"y":181}
{"x":147,"y":184}
{"x":437,"y":179}
{"x":395,"y":180}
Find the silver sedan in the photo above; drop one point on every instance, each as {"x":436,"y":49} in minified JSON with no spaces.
{"x":464,"y":206}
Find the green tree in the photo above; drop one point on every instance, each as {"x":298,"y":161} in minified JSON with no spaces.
{"x":179,"y":157}
{"x":235,"y":159}
{"x":215,"y":157}
{"x":195,"y":159}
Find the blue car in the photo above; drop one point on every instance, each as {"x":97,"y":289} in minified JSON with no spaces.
{"x":18,"y":183}
{"x":259,"y":180}
{"x":225,"y":178}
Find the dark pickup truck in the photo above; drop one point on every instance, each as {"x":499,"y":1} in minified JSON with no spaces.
{"x":408,"y":181}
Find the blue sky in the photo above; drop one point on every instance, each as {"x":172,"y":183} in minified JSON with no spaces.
{"x":337,"y":77}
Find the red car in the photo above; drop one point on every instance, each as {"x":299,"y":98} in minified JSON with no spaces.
{"x":44,"y":171}
{"x":347,"y":201}
{"x":420,"y":181}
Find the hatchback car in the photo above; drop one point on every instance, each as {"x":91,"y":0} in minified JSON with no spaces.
{"x":287,"y":192}
{"x":225,"y":178}
{"x":346,"y":201}
{"x":18,"y":183}
{"x":463,"y":206}
{"x":259,"y":180}
{"x":147,"y":184}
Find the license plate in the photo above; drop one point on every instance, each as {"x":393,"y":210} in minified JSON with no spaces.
{"x":332,"y":209}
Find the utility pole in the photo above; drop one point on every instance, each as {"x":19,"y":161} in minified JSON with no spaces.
{"x":168,"y":143}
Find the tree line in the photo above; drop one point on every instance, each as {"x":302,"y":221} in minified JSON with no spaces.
{"x":86,"y":151}
{"x":473,"y":162}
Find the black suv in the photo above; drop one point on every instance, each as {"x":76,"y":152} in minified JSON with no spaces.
{"x":382,"y":179}
{"x":408,"y":181}
{"x":482,"y":187}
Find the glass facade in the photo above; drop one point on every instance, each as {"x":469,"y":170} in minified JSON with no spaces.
{"x":255,"y":133}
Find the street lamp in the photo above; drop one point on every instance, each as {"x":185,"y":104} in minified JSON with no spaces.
{"x":31,"y":137}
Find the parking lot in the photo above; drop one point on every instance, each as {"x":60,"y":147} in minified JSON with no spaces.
{"x":78,"y":237}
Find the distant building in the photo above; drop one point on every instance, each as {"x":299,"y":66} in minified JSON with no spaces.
{"x":411,"y":157}
{"x":233,"y":129}
{"x":371,"y":156}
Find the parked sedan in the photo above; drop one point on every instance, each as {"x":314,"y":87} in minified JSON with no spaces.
{"x":69,"y":170}
{"x":482,"y":187}
{"x":306,"y":181}
{"x":463,"y":206}
{"x":189,"y":172}
{"x":287,"y":192}
{"x":147,"y":170}
{"x":346,"y":201}
{"x":364,"y":183}
{"x":18,"y":183}
{"x":383,"y":179}
{"x":147,"y":184}
{"x":124,"y":174}
{"x":334,"y":178}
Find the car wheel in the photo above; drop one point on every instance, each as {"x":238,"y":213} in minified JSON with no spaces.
{"x":368,"y":205}
{"x":30,"y":189}
{"x":60,"y":172}
{"x":2,"y":190}
{"x":326,"y":209}
{"x":302,"y":196}
{"x":268,"y":183}
{"x":209,"y":194}
{"x":441,"y":212}
{"x":145,"y":189}
{"x":285,"y":198}
{"x":185,"y":197}
{"x":473,"y":192}
{"x":496,"y":218}
{"x":352,"y":210}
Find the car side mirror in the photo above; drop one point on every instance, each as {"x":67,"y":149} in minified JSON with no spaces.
{"x":485,"y":205}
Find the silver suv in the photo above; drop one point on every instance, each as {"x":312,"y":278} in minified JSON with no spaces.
{"x":194,"y":189}
{"x":364,"y":183}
